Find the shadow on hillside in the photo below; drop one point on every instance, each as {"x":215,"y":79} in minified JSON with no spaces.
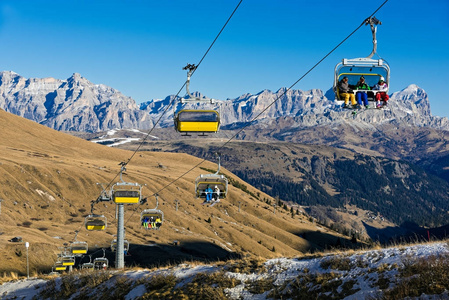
{"x":320,"y":241}
{"x":406,"y":233}
{"x":158,"y":255}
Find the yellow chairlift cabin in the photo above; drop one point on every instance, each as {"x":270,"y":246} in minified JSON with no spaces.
{"x":68,"y":260}
{"x":196,"y":119}
{"x":371,"y":69}
{"x":152,"y":218}
{"x":59,"y":266}
{"x":126,"y":192}
{"x":204,"y":181}
{"x":78,"y":248}
{"x":65,"y":257}
{"x":95,"y":222}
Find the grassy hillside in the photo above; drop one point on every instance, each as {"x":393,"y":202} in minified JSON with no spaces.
{"x":49,"y":178}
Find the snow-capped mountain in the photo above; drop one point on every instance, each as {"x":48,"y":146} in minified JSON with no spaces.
{"x":77,"y":104}
{"x":74,"y":104}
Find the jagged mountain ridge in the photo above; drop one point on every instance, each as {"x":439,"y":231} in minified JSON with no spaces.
{"x":77,"y":104}
{"x":74,"y":104}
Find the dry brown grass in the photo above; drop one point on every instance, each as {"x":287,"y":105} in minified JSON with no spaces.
{"x":48,"y":179}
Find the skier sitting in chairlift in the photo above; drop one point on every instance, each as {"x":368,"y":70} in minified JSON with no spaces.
{"x":216,"y":194}
{"x":208,"y":192}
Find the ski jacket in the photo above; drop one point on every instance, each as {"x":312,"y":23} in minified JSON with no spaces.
{"x":382,"y":87}
{"x":362,"y":86}
{"x":344,"y":87}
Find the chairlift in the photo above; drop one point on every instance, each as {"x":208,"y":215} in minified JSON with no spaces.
{"x":211,"y":180}
{"x":95,"y":222}
{"x":59,"y":266}
{"x":198,"y":119}
{"x":114,"y":245}
{"x":88,"y":265}
{"x":78,"y":248}
{"x":152,"y":218}
{"x":101,"y":262}
{"x":371,"y":69}
{"x":126,"y":192}
{"x":68,"y":260}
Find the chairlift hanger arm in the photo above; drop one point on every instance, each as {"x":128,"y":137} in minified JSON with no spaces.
{"x":373,"y":21}
{"x":190,"y":70}
{"x":219,"y":163}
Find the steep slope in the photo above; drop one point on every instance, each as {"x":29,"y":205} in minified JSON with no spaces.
{"x":48,"y":179}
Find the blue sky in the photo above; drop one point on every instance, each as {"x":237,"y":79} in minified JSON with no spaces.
{"x":139,"y":47}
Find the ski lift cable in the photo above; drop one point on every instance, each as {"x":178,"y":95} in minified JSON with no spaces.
{"x":275,"y":100}
{"x":196,"y":67}
{"x":171,"y":102}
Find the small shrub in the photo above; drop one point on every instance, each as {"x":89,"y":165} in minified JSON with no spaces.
{"x":26,"y":224}
{"x":261,"y":286}
{"x":336,"y":263}
{"x":421,"y":276}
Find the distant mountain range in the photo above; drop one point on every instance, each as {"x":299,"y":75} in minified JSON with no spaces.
{"x":76,"y":104}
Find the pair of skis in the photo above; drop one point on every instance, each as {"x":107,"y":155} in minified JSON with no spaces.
{"x":211,"y":203}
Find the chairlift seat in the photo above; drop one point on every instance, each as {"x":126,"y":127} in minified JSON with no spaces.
{"x":114,"y":245}
{"x":89,"y":266}
{"x":354,"y":68}
{"x":68,"y":261}
{"x":60,"y":267}
{"x":212,"y":180}
{"x":95,"y":222}
{"x":197,"y":120}
{"x":100,"y":261}
{"x":127,"y":193}
{"x":79,"y":248}
{"x":152,"y":218}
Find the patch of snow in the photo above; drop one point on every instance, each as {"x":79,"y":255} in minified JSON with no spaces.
{"x":279,"y":270}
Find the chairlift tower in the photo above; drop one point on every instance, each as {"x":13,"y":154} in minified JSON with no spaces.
{"x":119,"y":254}
{"x":123,"y":193}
